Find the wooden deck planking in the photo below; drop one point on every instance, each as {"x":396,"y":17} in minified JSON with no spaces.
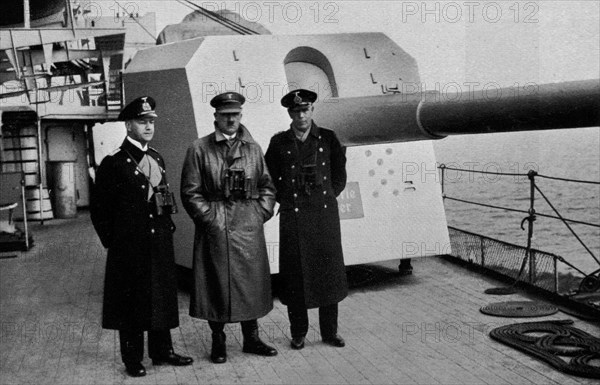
{"x":399,"y":366}
{"x":60,"y":281}
{"x":431,"y":343}
{"x":488,"y":370}
{"x":498,"y":351}
{"x":489,"y":362}
{"x":539,"y":367}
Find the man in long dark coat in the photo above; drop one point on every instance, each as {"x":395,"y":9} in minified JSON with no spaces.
{"x":308,"y":165}
{"x":140,"y":287}
{"x":228,"y":192}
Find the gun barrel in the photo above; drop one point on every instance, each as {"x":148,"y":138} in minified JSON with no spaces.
{"x":535,"y":107}
{"x":431,"y":115}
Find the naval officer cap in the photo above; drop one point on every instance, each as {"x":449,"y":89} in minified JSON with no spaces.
{"x":139,"y":108}
{"x":298,"y":98}
{"x":228,"y":102}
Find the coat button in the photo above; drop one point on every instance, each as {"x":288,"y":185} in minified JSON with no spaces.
{"x":151,"y":216}
{"x":289,"y":152}
{"x":293,"y":167}
{"x":293,"y":180}
{"x":295,"y":195}
{"x":143,"y":186}
{"x":321,"y":149}
{"x":128,"y":160}
{"x":324,"y":178}
{"x":280,"y":178}
{"x":152,"y":231}
{"x":324,"y":192}
{"x":296,"y":209}
{"x":136,"y":173}
{"x":325,"y":206}
{"x":323,"y":163}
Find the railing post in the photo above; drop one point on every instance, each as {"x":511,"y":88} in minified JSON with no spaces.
{"x":555,"y":260}
{"x":531,"y":175}
{"x":482,"y":246}
{"x":443,"y":168}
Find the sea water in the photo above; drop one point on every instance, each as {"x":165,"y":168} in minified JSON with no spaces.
{"x":569,"y":153}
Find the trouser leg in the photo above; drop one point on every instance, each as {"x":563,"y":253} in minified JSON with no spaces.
{"x":298,"y":321}
{"x":216,"y":327}
{"x":159,"y":343}
{"x":132,"y":345}
{"x":328,"y":320}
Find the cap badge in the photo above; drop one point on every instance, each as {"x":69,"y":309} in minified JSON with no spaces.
{"x":146,"y":105}
{"x":297,"y":98}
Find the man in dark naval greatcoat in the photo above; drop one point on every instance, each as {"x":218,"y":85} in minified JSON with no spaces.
{"x":308,"y":165}
{"x":228,"y":192}
{"x":131,"y":212}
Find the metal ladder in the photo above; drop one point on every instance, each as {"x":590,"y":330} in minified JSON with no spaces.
{"x":21,"y":152}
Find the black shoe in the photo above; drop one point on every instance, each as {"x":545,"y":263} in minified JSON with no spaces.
{"x":170,"y":358}
{"x":135,"y":369}
{"x":335,"y":340}
{"x":297,"y":343}
{"x":259,"y":347}
{"x":218,"y":353}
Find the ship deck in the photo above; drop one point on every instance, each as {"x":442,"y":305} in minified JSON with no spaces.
{"x":425,"y":328}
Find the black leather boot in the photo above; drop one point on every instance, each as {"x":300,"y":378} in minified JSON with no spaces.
{"x":218,"y":353}
{"x":252,"y":342}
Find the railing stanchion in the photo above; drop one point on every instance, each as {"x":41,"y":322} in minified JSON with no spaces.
{"x":528,"y":253}
{"x":555,"y":260}
{"x":442,"y":167}
{"x":482,"y":246}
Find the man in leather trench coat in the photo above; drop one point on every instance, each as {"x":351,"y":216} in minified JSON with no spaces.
{"x":140,"y":287}
{"x":227,"y":190}
{"x":308,"y":165}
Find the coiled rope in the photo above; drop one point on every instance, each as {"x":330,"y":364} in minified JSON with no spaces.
{"x":559,"y":339}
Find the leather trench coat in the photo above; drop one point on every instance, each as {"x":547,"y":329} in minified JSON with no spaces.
{"x":140,"y":285}
{"x":232,"y":280}
{"x":311,"y":261}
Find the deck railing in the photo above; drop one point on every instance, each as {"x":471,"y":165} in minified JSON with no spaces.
{"x":540,"y":268}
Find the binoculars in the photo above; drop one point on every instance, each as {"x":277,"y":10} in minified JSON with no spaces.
{"x":307,"y":178}
{"x":236,"y":184}
{"x":164,"y":200}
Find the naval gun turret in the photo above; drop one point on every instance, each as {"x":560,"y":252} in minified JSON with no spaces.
{"x":371,"y":95}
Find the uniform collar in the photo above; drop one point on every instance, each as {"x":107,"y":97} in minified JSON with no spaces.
{"x":135,"y":151}
{"x":303,"y":135}
{"x":242,"y":134}
{"x":314,"y":131}
{"x":138,"y":144}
